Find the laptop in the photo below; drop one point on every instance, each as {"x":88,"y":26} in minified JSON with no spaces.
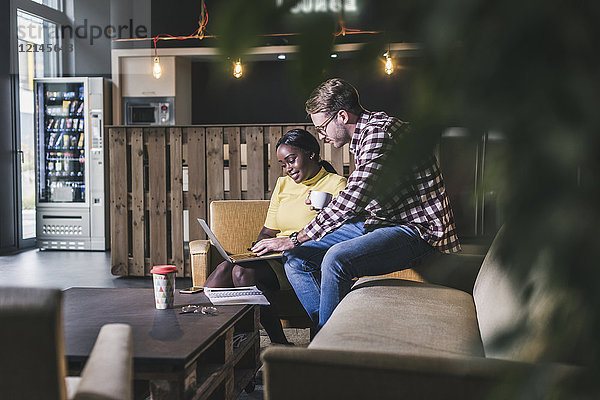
{"x":236,"y":258}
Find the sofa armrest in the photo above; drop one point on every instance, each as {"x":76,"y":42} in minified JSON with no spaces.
{"x":363,"y":375}
{"x":200,"y":260}
{"x":108,"y":373}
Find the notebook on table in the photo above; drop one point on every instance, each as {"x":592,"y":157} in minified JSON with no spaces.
{"x":236,"y":295}
{"x":236,"y":258}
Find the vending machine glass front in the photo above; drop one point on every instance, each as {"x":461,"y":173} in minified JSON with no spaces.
{"x":61,"y":142}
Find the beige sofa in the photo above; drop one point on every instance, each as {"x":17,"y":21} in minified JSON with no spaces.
{"x":400,"y":339}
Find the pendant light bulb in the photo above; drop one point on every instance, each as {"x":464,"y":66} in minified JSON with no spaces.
{"x":156,"y":69}
{"x":389,"y":66}
{"x":237,"y":69}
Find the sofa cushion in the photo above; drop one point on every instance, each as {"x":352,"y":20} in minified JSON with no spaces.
{"x":403,"y":317}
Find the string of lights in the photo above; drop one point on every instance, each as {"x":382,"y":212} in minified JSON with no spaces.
{"x":200,"y":34}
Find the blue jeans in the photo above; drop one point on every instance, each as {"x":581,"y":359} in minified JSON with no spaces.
{"x":321,"y":272}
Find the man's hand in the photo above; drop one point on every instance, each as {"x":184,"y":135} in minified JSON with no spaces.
{"x":273,"y":244}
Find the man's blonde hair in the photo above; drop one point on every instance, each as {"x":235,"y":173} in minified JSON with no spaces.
{"x":332,"y":96}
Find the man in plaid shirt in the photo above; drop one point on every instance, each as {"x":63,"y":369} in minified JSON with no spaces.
{"x":363,"y":231}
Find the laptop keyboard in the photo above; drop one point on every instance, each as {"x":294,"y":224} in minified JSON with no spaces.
{"x":244,"y":256}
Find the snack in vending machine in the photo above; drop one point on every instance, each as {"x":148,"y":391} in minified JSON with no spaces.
{"x":58,"y":140}
{"x":51,"y":139}
{"x":66,"y":141}
{"x":50,"y":122}
{"x":80,"y":143}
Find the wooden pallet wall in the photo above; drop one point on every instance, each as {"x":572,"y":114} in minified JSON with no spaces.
{"x":148,"y":167}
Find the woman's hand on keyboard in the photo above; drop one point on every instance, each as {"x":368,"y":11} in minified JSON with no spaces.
{"x":274,"y":244}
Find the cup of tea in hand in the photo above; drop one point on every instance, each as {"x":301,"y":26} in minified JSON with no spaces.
{"x":319,"y":200}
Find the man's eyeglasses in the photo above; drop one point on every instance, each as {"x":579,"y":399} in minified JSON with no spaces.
{"x":321,"y":128}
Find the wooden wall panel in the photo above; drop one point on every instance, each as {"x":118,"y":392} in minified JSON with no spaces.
{"x":157,"y":187}
{"x":176,"y":199}
{"x":256,"y":163}
{"x":232,"y":134}
{"x":273,"y":133}
{"x":215,"y":185}
{"x":196,"y":180}
{"x":118,"y":201}
{"x":138,"y":222}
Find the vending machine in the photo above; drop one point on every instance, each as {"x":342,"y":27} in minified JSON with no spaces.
{"x":70,"y":159}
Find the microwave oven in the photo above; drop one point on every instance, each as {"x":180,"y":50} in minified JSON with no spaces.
{"x":148,"y":111}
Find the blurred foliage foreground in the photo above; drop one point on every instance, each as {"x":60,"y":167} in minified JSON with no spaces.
{"x":531,"y":70}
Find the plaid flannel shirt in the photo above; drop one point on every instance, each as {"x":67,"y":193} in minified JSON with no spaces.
{"x":418,"y":201}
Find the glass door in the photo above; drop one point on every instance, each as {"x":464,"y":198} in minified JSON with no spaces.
{"x":33,"y":34}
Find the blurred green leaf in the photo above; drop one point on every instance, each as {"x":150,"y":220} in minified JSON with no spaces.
{"x":315,"y":47}
{"x":241,"y":24}
{"x":527,"y":69}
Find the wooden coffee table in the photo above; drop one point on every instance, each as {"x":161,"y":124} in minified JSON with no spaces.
{"x":182,"y":356}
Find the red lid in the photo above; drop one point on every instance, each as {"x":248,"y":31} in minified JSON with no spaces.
{"x":163,"y":269}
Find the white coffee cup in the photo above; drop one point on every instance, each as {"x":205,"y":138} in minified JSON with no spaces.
{"x":319,"y":200}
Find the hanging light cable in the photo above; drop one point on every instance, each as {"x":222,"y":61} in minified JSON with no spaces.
{"x":201,"y":32}
{"x":202,"y":22}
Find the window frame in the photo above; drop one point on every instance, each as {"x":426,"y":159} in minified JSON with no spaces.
{"x":60,"y":18}
{"x":64,"y":67}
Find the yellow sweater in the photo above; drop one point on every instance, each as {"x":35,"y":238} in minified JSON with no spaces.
{"x":287,"y":211}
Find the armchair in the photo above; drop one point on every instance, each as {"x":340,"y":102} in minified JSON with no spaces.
{"x":33,"y":365}
{"x":236,"y":223}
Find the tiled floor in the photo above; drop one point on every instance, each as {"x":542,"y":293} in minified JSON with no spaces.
{"x":65,"y":269}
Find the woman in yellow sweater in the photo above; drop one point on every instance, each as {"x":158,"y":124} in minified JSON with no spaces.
{"x":298,"y":155}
